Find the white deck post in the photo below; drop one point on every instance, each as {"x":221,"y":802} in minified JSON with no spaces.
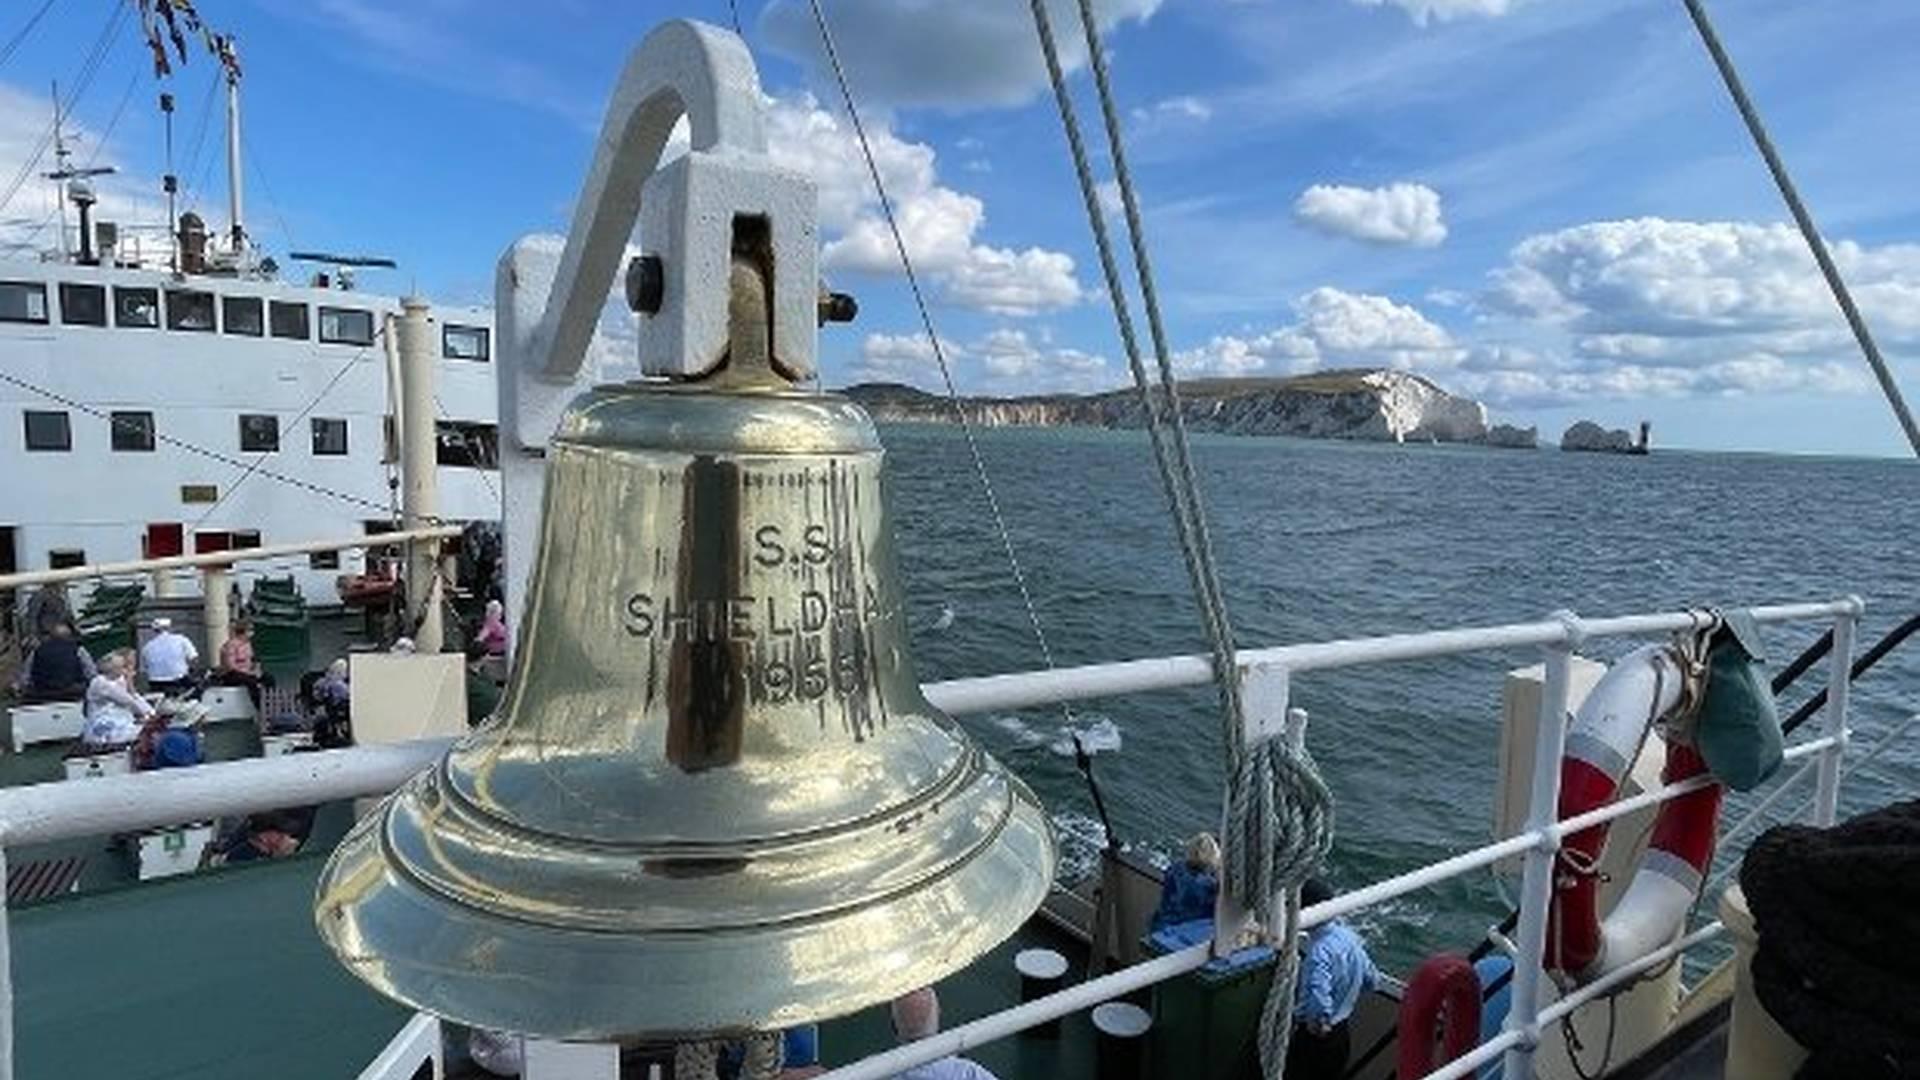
{"x":1264,"y":690}
{"x":6,"y":978}
{"x":1826,"y":801}
{"x":1536,"y":886}
{"x":216,"y":584}
{"x":571,"y":1061}
{"x":419,"y":469}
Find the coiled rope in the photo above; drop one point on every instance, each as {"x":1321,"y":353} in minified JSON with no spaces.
{"x":1279,"y":814}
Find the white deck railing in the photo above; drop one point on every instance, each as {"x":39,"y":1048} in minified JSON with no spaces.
{"x":54,"y":811}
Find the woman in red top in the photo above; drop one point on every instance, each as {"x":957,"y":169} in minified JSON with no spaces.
{"x":237,"y":664}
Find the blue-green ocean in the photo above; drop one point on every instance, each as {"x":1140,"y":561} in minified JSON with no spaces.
{"x":1321,"y":540}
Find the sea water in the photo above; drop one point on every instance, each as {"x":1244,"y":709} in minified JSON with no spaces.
{"x":1322,"y":540}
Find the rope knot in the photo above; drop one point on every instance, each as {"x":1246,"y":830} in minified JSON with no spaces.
{"x":1279,"y":828}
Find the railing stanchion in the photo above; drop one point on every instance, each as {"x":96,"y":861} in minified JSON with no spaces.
{"x":1826,"y":802}
{"x":6,"y":977}
{"x":1536,"y":887}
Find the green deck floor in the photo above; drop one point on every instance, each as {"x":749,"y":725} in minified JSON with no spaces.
{"x":213,"y":975}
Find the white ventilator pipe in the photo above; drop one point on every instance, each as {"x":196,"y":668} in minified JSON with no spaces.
{"x":419,"y":468}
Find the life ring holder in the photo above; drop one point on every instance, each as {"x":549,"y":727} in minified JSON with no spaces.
{"x":1652,"y":684}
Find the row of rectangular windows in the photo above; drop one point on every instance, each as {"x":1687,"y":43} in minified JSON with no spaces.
{"x":138,"y":306}
{"x":133,"y":431}
{"x":459,"y":444}
{"x":204,"y":542}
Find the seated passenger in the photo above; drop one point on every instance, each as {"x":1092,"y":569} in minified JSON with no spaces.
{"x":115,"y":714}
{"x":59,"y":669}
{"x":1189,"y":887}
{"x":916,"y":1016}
{"x":493,"y":629}
{"x":237,"y":664}
{"x":274,"y":834}
{"x":167,"y":660}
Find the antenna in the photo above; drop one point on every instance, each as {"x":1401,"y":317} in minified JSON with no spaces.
{"x":376,"y":262}
{"x":72,"y":185}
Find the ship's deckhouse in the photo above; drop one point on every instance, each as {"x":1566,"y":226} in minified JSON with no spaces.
{"x":146,"y":413}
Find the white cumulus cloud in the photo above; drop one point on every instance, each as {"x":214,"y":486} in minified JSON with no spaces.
{"x":1332,"y":327}
{"x":1008,"y":353}
{"x":1401,"y":214}
{"x":939,"y":225}
{"x":1009,"y":358}
{"x":1652,"y":284}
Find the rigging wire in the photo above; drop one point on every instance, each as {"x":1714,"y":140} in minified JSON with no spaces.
{"x":733,"y":9}
{"x":88,"y":69}
{"x":1802,"y":218}
{"x":939,"y":350}
{"x":92,"y":156}
{"x":294,"y":424}
{"x":273,"y":203}
{"x":1278,"y":821}
{"x":13,"y":43}
{"x":201,"y":451}
{"x":195,"y":175}
{"x":1206,"y":579}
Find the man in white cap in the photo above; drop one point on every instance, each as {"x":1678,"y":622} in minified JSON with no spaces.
{"x":167,"y":660}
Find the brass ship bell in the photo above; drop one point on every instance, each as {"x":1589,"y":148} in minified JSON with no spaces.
{"x":714,"y":799}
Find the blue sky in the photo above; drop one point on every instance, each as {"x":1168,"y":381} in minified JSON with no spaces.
{"x":1547,"y":204}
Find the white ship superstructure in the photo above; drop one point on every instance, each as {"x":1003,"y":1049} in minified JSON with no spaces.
{"x":145,"y":413}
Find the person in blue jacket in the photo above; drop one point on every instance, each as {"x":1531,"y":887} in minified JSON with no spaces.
{"x":1334,"y":971}
{"x":1190,"y":886}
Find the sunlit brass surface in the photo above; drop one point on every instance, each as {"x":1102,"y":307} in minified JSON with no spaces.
{"x":714,"y":798}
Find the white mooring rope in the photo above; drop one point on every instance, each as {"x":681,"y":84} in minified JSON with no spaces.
{"x":1279,"y":811}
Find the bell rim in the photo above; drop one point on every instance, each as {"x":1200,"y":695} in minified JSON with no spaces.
{"x":707,"y":990}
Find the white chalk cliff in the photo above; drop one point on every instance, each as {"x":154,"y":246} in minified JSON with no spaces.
{"x":1381,"y":406}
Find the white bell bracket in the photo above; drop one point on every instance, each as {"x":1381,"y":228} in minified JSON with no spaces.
{"x":549,"y":292}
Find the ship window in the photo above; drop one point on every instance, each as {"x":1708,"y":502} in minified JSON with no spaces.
{"x":132,"y":430}
{"x":464,"y":445}
{"x":212,"y":540}
{"x":464,"y":343}
{"x":244,"y":538}
{"x":189,"y":310}
{"x":48,"y":431}
{"x":241,"y":315}
{"x":329,"y":437}
{"x":288,"y":320}
{"x":323,"y":560}
{"x":83,"y":305}
{"x":66,"y":558}
{"x":259,"y":433}
{"x":346,"y":326}
{"x":199,"y":493}
{"x":136,"y":307}
{"x":23,"y":301}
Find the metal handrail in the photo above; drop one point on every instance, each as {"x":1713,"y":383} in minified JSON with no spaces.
{"x":220,"y":559}
{"x":67,"y":809}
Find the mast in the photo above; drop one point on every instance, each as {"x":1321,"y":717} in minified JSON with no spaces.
{"x":171,"y":185}
{"x":58,"y":175}
{"x":69,"y":183}
{"x":234,"y":193}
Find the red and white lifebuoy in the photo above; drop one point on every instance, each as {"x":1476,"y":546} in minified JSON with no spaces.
{"x":1602,"y":743}
{"x":1442,"y":1003}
